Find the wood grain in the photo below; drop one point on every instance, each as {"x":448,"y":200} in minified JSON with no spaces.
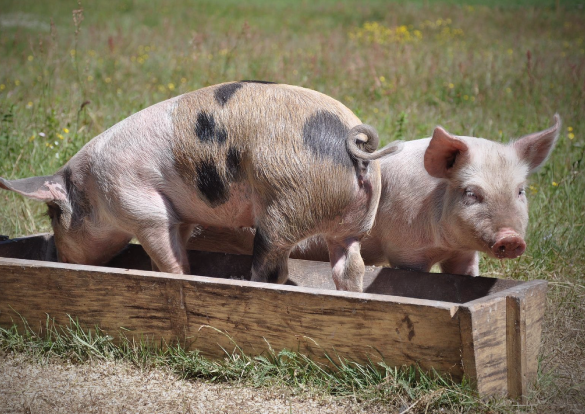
{"x":162,"y":306}
{"x":486,"y":329}
{"x":500,"y":337}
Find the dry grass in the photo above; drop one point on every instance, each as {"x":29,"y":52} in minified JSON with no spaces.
{"x":119,"y":387}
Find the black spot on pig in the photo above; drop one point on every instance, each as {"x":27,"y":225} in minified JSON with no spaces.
{"x":224,"y":92}
{"x":325,"y":135}
{"x":207,"y":130}
{"x":233,"y":160}
{"x":258,"y":81}
{"x":210,"y":183}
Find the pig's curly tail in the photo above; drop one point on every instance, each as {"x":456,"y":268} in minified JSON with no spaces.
{"x":369,"y":145}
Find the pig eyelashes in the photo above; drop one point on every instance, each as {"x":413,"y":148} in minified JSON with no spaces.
{"x":472,"y":195}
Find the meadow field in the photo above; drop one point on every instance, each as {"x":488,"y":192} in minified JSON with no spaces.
{"x":494,"y":69}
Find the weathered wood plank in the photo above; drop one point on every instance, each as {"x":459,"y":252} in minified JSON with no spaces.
{"x":525,"y":311}
{"x":162,"y":306}
{"x":483,"y":338}
{"x":508,"y":325}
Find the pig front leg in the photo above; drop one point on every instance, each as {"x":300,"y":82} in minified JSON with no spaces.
{"x":185,"y":232}
{"x":463,"y":263}
{"x":347,"y":264}
{"x":166,"y":247}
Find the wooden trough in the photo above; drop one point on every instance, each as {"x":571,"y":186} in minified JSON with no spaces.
{"x":484,"y":328}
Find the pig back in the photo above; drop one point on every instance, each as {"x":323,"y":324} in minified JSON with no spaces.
{"x":288,"y":144}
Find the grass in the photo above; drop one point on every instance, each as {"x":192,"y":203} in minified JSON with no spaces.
{"x":370,"y":384}
{"x":496,"y":69}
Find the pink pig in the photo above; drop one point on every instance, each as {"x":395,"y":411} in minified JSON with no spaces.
{"x":446,"y":198}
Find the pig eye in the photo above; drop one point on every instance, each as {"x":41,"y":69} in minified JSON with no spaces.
{"x":471,"y":196}
{"x":521,"y":192}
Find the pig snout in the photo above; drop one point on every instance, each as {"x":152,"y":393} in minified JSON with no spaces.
{"x":508,"y":245}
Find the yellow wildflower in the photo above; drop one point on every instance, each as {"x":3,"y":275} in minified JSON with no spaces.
{"x":571,"y":135}
{"x":555,"y":184}
{"x":2,"y":87}
{"x":65,"y":130}
{"x":30,"y":58}
{"x":171,"y":86}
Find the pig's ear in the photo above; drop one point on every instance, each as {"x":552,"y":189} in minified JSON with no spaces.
{"x":442,"y":152}
{"x":535,"y":148}
{"x":47,"y":189}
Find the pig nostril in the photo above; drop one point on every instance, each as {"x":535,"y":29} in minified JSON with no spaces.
{"x":502,"y":248}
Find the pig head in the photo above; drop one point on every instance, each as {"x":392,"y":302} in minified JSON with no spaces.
{"x":447,"y":197}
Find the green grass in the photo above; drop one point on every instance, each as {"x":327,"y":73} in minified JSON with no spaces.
{"x":496,"y":69}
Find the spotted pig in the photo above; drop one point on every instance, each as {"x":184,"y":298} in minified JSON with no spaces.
{"x":288,"y":161}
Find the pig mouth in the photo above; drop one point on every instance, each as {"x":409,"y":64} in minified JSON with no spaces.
{"x":508,"y":245}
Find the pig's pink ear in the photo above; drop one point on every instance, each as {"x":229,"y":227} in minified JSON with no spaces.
{"x":535,"y":148}
{"x":47,"y":188}
{"x":441,"y":153}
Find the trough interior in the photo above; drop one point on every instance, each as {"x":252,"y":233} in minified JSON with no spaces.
{"x":378,"y":280}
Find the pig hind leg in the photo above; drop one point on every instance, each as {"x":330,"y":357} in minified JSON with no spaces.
{"x":270,"y":258}
{"x":347,"y":264}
